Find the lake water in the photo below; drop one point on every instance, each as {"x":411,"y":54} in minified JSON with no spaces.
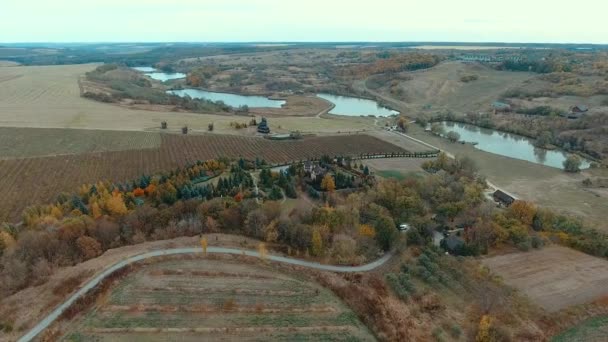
{"x":232,"y":100}
{"x":353,"y":106}
{"x":161,"y":76}
{"x":509,"y":145}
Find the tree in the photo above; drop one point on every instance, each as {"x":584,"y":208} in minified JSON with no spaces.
{"x":89,"y":247}
{"x":255,"y":223}
{"x":367,"y":231}
{"x":138,"y":192}
{"x":572,"y":164}
{"x":204,"y":245}
{"x":453,"y":136}
{"x":328,"y":183}
{"x":403,"y":124}
{"x":366,"y":170}
{"x":317,"y":242}
{"x":116,"y":205}
{"x":386,"y":232}
{"x":523,"y":211}
{"x":437,"y":129}
{"x":543,"y":139}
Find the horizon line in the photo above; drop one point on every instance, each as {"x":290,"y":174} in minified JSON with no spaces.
{"x":305,"y":42}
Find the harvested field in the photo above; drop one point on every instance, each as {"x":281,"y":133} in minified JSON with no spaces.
{"x":49,"y":97}
{"x":225,"y":301}
{"x":401,"y":141}
{"x":554,"y":277}
{"x":591,"y":330}
{"x":18,"y":142}
{"x":29,"y":181}
{"x":397,"y":168}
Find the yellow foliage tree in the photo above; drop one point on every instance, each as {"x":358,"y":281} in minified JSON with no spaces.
{"x":271,"y":233}
{"x":115,"y":204}
{"x":56,"y":212}
{"x":367,"y":231}
{"x":95,"y":210}
{"x":204,"y":245}
{"x":483,"y":333}
{"x":6,"y":240}
{"x":523,"y":211}
{"x":328,"y":183}
{"x":262,"y":250}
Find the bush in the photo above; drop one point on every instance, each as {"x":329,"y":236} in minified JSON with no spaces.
{"x":536,"y":242}
{"x":468,"y":78}
{"x":453,"y":136}
{"x":572,"y":164}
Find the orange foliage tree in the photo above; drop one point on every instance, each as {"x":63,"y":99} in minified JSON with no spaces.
{"x":138,"y":192}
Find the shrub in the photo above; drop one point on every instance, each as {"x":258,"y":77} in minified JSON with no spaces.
{"x":572,"y":164}
{"x":468,"y":78}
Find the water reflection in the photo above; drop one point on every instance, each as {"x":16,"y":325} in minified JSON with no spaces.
{"x":509,"y":145}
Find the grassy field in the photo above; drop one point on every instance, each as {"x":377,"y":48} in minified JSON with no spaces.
{"x":553,"y":277}
{"x":398,"y":168}
{"x":49,"y":96}
{"x":18,"y":142}
{"x":29,"y":181}
{"x":591,"y":330}
{"x":440,"y":88}
{"x":203,"y":299}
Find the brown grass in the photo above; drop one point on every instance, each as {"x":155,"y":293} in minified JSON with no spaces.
{"x":554,"y":277}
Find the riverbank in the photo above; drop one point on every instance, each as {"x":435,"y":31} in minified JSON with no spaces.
{"x":548,"y":187}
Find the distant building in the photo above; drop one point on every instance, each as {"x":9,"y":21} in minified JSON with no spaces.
{"x":576,"y":112}
{"x":503,"y":198}
{"x":308,"y":166}
{"x":263,"y":127}
{"x":579,"y":109}
{"x":317,"y":172}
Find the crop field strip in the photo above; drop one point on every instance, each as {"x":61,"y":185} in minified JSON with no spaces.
{"x":226,"y":300}
{"x":29,"y":181}
{"x":17,"y":142}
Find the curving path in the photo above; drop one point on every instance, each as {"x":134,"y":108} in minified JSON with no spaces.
{"x":48,"y":320}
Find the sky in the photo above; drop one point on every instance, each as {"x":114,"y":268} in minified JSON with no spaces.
{"x":525,"y":21}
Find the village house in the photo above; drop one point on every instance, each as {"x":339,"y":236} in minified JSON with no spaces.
{"x":308,"y":166}
{"x":576,"y":112}
{"x":317,"y":172}
{"x":503,"y":198}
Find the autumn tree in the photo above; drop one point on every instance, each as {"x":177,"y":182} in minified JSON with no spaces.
{"x":403,"y":124}
{"x":328,"y":184}
{"x":255,"y":223}
{"x":116,"y":205}
{"x":89,"y":247}
{"x":317,"y":242}
{"x":366,"y":230}
{"x":523,"y":211}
